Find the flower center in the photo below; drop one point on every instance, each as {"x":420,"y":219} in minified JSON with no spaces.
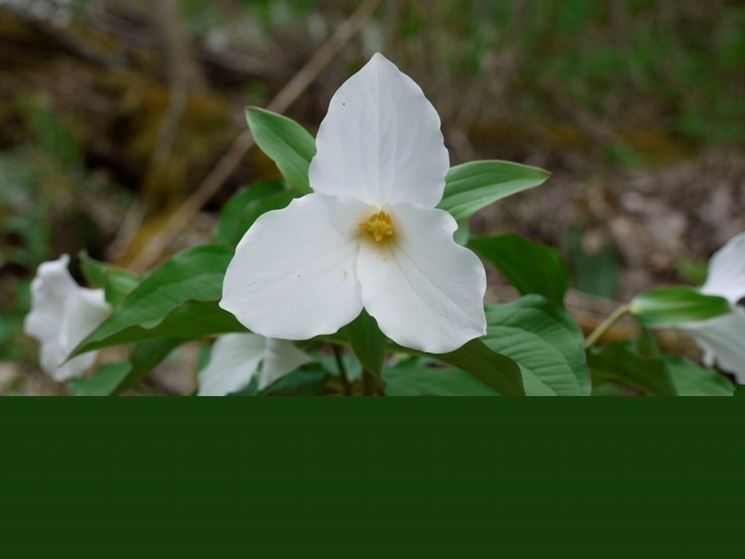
{"x":379,"y":226}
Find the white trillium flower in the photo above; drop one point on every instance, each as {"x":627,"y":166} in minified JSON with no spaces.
{"x":62,"y":315}
{"x":369,"y":236}
{"x":237,"y":358}
{"x":723,"y":338}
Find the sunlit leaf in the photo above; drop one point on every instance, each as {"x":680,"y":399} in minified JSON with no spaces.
{"x":544,"y":341}
{"x":192,"y":276}
{"x":116,"y":282}
{"x":472,"y":186}
{"x":671,"y":306}
{"x":286,"y":143}
{"x":188,"y":321}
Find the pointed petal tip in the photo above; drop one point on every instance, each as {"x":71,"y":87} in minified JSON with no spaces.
{"x":379,"y":58}
{"x":52,"y":266}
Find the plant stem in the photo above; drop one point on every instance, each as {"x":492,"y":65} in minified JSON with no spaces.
{"x":606,"y":325}
{"x":369,"y":383}
{"x":342,"y":370}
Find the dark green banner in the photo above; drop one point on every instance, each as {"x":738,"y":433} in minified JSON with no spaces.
{"x":354,"y":477}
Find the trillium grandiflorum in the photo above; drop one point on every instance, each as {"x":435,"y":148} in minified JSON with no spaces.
{"x":369,"y":236}
{"x":62,"y":315}
{"x":238,"y":358}
{"x":723,"y":338}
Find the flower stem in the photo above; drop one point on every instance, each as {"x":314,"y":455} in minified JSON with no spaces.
{"x":342,"y":370}
{"x":606,"y":325}
{"x":370,"y":384}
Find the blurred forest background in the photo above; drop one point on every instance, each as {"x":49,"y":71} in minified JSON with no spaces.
{"x":114,"y":114}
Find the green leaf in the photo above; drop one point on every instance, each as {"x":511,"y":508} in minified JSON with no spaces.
{"x":544,"y":341}
{"x":368,"y":342}
{"x":622,"y":363}
{"x":102,"y":382}
{"x":286,"y":143}
{"x":188,"y":321}
{"x":194,"y":275}
{"x":462,"y":234}
{"x":145,"y":356}
{"x":598,"y":273}
{"x":417,"y":379}
{"x":493,"y":369}
{"x":297,"y":383}
{"x":472,"y":186}
{"x":245,"y":207}
{"x":691,"y":380}
{"x":530,"y":267}
{"x":671,"y":306}
{"x":115,"y":377}
{"x":116,"y":282}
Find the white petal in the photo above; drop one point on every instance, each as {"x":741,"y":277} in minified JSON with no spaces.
{"x":53,"y":354}
{"x":727,"y":271}
{"x":281,"y":357}
{"x":380,"y":140}
{"x":50,"y":289}
{"x":62,"y":314}
{"x":425,"y":291}
{"x":723,"y":341}
{"x":293,"y":274}
{"x":234,"y":360}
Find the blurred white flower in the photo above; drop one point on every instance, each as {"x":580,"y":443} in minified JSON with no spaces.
{"x":723,"y":338}
{"x":62,"y":314}
{"x":237,"y":358}
{"x":369,"y":235}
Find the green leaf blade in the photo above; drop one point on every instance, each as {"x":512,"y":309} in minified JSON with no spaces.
{"x":472,"y":186}
{"x":622,"y":363}
{"x":112,"y":378}
{"x":368,"y":342}
{"x":286,"y":143}
{"x":530,"y":267}
{"x":246,"y":206}
{"x":192,"y":276}
{"x":418,"y":379}
{"x":491,"y":368}
{"x":189,"y":321}
{"x":544,"y":341}
{"x":673,"y":306}
{"x":102,"y":382}
{"x":116,"y":282}
{"x":691,"y":380}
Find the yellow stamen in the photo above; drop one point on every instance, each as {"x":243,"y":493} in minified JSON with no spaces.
{"x":379,"y":226}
